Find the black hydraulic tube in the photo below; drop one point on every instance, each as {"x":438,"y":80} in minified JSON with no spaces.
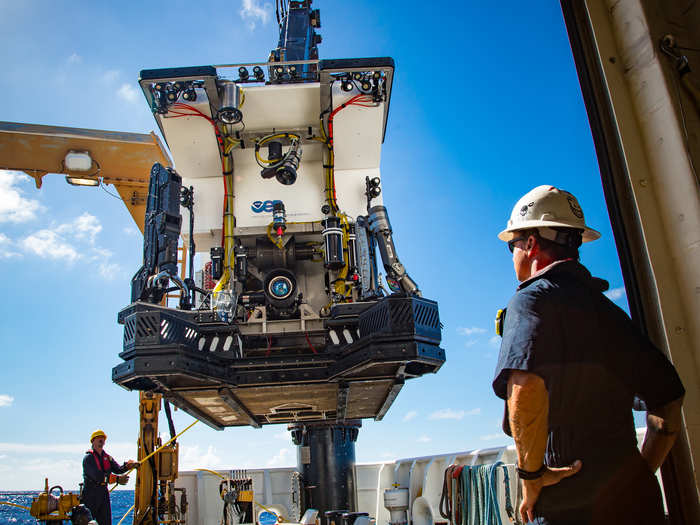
{"x":169,"y":416}
{"x":380,"y":227}
{"x":326,"y":460}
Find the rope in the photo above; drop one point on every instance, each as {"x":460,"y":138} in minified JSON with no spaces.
{"x":470,"y":495}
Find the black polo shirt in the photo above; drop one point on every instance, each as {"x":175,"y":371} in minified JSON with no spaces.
{"x":593,"y":360}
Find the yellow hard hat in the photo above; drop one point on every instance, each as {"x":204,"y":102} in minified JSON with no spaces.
{"x":98,"y":433}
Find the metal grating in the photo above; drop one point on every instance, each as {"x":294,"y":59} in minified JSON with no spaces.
{"x":402,"y":316}
{"x":157,"y":328}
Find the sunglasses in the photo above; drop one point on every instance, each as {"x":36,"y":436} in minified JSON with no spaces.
{"x":511,"y":243}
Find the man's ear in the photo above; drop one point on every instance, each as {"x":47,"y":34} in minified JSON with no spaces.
{"x":531,"y":246}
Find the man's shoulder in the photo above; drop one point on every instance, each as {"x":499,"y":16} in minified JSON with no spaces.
{"x":534,"y":296}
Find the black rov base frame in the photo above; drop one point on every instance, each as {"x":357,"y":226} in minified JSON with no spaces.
{"x":183,"y":353}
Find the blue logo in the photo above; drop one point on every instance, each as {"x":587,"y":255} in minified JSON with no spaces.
{"x":263,"y":206}
{"x":267,"y":518}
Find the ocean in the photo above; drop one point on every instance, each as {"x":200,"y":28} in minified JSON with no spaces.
{"x":122,"y":500}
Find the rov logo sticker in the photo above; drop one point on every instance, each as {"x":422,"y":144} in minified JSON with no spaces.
{"x":263,"y":206}
{"x":524,"y":210}
{"x":575,"y":208}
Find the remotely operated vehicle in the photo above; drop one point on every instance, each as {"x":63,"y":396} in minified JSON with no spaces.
{"x":295,"y":307}
{"x":281,"y":315}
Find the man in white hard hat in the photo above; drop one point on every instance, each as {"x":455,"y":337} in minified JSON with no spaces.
{"x":571,"y":366}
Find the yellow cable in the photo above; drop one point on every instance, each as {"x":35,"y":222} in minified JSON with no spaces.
{"x":340,"y":286}
{"x":158,"y":450}
{"x":211,"y":472}
{"x":125,"y":515}
{"x":281,"y":518}
{"x":268,"y":138}
{"x":14,"y":505}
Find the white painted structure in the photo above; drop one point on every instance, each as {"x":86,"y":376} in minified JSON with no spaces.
{"x":422,"y":476}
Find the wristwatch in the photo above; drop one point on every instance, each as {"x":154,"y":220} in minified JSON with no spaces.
{"x":527,"y":475}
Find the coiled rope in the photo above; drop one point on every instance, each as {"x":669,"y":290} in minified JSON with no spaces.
{"x":470,"y":495}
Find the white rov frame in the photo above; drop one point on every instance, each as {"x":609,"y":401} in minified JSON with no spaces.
{"x":277,"y":108}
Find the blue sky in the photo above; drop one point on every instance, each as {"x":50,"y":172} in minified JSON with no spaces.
{"x":486,"y":105}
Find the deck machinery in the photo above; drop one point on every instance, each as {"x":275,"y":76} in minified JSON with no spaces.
{"x":276,"y":195}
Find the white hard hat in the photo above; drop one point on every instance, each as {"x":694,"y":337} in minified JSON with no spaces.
{"x":547,"y":206}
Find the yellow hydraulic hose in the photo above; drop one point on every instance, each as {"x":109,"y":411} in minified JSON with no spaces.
{"x":14,"y":505}
{"x":158,"y":450}
{"x":211,"y":472}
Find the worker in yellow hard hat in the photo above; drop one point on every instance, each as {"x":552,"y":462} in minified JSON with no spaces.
{"x":100,"y":469}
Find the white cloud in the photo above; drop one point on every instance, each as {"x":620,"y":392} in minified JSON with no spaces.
{"x":470,"y":330}
{"x":5,"y":400}
{"x":191,"y":457}
{"x":615,"y":294}
{"x":495,"y":341}
{"x":14,"y":207}
{"x":491,"y":437}
{"x":72,"y":241}
{"x":254,"y":11}
{"x":24,"y":465}
{"x":116,"y":448}
{"x":449,"y":413}
{"x":109,"y":270}
{"x":128,"y":92}
{"x":85,"y":226}
{"x":424,"y":439}
{"x":50,"y":245}
{"x":6,"y":247}
{"x":411,"y":414}
{"x":130,"y":230}
{"x":75,"y":58}
{"x":469,"y":342}
{"x":281,"y":459}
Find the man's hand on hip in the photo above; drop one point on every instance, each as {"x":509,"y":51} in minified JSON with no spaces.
{"x":532,"y":488}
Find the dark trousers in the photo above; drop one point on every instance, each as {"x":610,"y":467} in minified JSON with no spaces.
{"x":96,"y":498}
{"x":630,"y":497}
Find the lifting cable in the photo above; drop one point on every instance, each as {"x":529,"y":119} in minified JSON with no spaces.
{"x":470,"y":495}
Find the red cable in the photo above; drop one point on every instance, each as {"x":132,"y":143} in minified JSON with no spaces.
{"x":306,"y":334}
{"x":269,"y":346}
